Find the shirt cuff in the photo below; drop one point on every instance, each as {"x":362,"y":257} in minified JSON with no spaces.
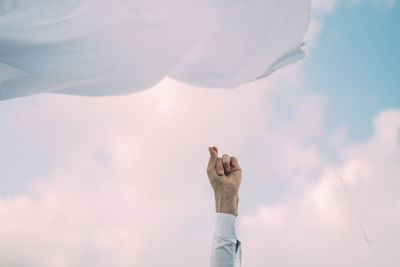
{"x":225,"y":226}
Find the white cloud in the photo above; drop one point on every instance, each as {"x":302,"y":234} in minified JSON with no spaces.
{"x":328,"y":6}
{"x":319,"y":227}
{"x":387,"y":3}
{"x":128,"y":170}
{"x":324,"y":6}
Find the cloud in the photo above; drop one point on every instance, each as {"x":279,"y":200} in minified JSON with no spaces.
{"x":121,"y":177}
{"x":127,"y":189}
{"x":319,"y":227}
{"x":387,"y":3}
{"x":322,"y":7}
{"x":127,"y":175}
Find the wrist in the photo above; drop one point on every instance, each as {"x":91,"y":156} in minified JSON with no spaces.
{"x":226,"y":203}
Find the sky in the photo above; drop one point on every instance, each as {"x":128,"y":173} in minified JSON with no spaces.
{"x":121,"y":180}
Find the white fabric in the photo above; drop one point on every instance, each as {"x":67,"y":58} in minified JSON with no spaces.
{"x":245,"y":40}
{"x":101,"y":47}
{"x":226,"y":248}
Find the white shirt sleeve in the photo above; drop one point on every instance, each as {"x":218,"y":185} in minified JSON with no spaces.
{"x":226,"y":249}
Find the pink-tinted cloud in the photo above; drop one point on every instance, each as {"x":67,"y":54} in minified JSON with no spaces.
{"x":126,"y":184}
{"x":320,"y":227}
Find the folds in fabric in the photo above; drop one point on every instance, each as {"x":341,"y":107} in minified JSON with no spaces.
{"x":98,"y":47}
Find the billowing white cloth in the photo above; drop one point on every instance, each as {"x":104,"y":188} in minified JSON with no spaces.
{"x":99,"y":47}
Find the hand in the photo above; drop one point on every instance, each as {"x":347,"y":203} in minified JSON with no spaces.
{"x":225,"y":176}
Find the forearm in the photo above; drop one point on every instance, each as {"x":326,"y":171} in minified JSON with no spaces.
{"x":225,"y":176}
{"x":226,"y":202}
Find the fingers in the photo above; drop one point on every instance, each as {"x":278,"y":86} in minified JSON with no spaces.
{"x":234,"y":162}
{"x":226,"y":162}
{"x":220,"y":167}
{"x":213,"y":158}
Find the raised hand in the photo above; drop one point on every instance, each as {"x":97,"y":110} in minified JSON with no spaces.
{"x":225,"y":176}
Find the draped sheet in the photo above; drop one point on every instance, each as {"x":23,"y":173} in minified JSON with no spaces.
{"x":99,"y":47}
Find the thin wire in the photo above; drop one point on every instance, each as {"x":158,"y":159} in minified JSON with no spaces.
{"x":353,"y":207}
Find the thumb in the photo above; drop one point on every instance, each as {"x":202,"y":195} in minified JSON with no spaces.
{"x":213,"y":157}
